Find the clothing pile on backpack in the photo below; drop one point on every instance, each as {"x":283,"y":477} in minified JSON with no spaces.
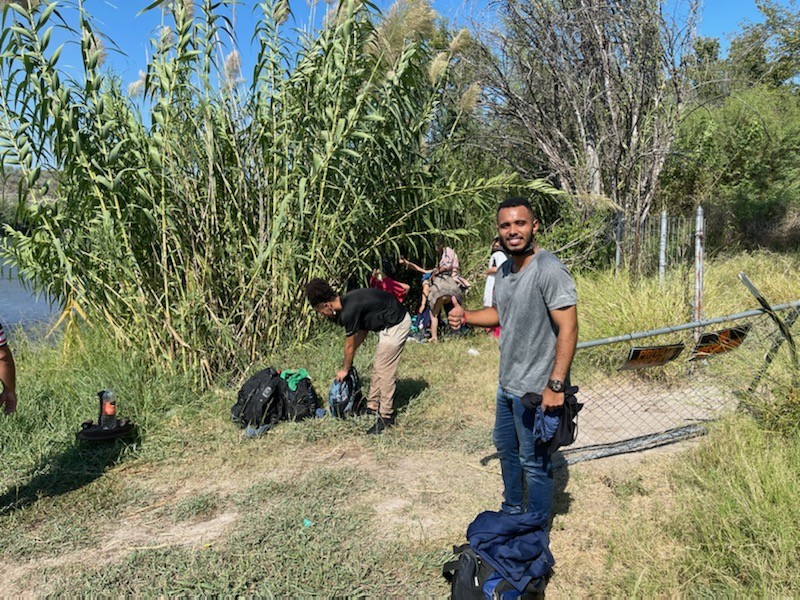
{"x":508,"y":556}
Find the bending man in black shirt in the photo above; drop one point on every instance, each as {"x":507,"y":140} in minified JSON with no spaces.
{"x":360,"y":312}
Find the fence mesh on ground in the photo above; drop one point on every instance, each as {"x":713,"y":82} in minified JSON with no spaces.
{"x":629,"y":410}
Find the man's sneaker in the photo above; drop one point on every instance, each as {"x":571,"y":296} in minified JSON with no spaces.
{"x":381,"y":425}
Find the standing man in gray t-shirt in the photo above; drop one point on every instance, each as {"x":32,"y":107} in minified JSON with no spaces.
{"x":535,"y":305}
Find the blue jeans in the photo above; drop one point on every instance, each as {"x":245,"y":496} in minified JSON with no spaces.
{"x":519,"y":457}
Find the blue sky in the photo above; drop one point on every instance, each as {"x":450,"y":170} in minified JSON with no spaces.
{"x":118,"y":19}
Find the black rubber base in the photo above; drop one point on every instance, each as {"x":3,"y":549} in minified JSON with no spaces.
{"x":95,"y":433}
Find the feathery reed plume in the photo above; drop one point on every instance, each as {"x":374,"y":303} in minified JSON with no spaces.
{"x":96,"y":45}
{"x":232,"y":70}
{"x":283,"y":11}
{"x":136,"y":88}
{"x":460,"y":42}
{"x":407,"y":20}
{"x":438,"y":66}
{"x":470,"y":98}
{"x":165,"y":37}
{"x":187,"y":5}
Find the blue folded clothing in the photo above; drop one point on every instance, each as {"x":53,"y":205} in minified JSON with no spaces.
{"x":252,"y":432}
{"x":556,"y":428}
{"x":516,"y":546}
{"x":545,"y":424}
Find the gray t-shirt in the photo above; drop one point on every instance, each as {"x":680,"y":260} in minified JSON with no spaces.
{"x":528,"y":339}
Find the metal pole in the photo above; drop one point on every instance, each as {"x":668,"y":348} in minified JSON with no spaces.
{"x":662,"y":250}
{"x":693,"y":325}
{"x":699,"y":238}
{"x":618,"y":257}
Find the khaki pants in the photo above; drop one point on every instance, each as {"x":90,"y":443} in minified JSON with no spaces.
{"x":384,"y":367}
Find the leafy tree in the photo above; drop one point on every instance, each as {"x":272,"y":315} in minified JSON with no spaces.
{"x":741,"y":160}
{"x":768,"y":52}
{"x":591,"y":91}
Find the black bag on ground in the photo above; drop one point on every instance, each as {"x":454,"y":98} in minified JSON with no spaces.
{"x":259,"y":401}
{"x":466,"y":574}
{"x":298,"y":403}
{"x":346,"y":398}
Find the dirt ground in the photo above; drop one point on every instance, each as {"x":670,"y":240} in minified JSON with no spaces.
{"x":589,"y":500}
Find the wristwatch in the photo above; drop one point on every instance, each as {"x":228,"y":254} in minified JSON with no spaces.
{"x":556,"y":385}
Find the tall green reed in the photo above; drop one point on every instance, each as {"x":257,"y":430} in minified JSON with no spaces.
{"x":193,"y":235}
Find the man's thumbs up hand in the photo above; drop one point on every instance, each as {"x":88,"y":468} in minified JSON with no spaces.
{"x":457,"y":317}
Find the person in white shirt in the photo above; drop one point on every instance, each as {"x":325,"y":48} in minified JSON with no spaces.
{"x":498,"y":258}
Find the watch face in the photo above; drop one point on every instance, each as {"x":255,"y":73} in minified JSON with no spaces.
{"x":556,"y":385}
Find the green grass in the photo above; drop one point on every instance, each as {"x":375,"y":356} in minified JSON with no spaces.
{"x":734,"y":525}
{"x":190,"y":507}
{"x":613,"y":304}
{"x":189,"y":465}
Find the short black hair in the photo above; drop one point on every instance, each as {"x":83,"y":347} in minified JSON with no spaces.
{"x":319,"y":291}
{"x":516,"y":201}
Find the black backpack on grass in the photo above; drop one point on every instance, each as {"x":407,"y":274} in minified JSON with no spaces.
{"x":466,"y":574}
{"x":299,"y":403}
{"x":260,"y":401}
{"x":472,"y":578}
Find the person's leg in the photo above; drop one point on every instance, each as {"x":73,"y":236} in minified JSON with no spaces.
{"x":535,"y":462}
{"x":374,"y":396}
{"x":426,"y":287}
{"x":387,"y":359}
{"x":507,"y":444}
{"x":435,"y":310}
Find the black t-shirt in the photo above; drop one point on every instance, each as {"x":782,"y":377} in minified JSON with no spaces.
{"x":370,"y":309}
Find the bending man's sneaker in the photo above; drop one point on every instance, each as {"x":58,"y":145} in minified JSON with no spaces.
{"x":381,"y":425}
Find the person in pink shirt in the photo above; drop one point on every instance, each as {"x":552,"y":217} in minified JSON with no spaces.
{"x":398,"y":289}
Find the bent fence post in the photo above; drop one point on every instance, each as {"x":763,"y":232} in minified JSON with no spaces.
{"x":782,"y":327}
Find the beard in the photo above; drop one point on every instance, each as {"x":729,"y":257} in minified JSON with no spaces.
{"x":526,"y":249}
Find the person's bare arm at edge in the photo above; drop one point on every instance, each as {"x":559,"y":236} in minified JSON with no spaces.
{"x":566,"y":320}
{"x":458,"y":317}
{"x":8,"y":376}
{"x":410,"y":265}
{"x":351,"y":344}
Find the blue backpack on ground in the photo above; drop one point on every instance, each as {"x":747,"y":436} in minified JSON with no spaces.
{"x":346,"y":398}
{"x":421,"y":321}
{"x":508,"y":556}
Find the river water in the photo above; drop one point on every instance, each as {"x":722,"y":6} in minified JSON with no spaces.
{"x":18,"y":306}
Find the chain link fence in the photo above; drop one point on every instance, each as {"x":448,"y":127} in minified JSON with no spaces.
{"x":637,"y":404}
{"x":676,"y":232}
